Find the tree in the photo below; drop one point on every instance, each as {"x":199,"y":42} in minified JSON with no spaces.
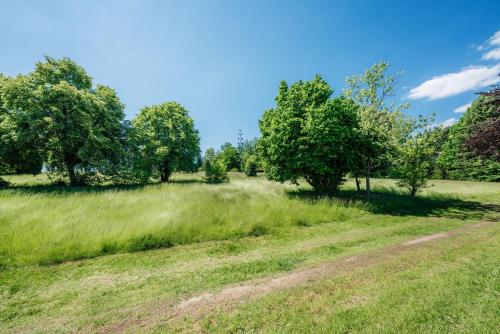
{"x":250,"y":165}
{"x":484,"y":141}
{"x":17,"y":153}
{"x":240,"y":148}
{"x":381,"y":122}
{"x":470,"y":150}
{"x":215,"y":170}
{"x":230,"y":157}
{"x":167,"y":141}
{"x":57,"y":112}
{"x":415,"y":157}
{"x":308,"y":135}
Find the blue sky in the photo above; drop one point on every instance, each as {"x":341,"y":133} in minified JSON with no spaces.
{"x":223,"y":60}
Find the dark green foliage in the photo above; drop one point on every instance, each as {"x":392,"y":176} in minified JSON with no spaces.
{"x":250,"y":165}
{"x":56,"y":115}
{"x":230,"y":157}
{"x":166,"y":141}
{"x":308,"y":135}
{"x":456,"y":158}
{"x":215,"y":169}
{"x":18,"y":154}
{"x":3,"y":183}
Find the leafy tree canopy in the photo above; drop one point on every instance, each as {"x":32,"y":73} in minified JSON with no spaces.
{"x":308,"y":135}
{"x":167,"y":141}
{"x":459,"y":155}
{"x":55,"y":112}
{"x":382,"y":123}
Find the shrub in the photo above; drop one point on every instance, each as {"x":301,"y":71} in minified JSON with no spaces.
{"x":250,"y":165}
{"x":215,"y":171}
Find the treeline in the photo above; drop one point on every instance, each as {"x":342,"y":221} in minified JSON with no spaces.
{"x":312,"y":135}
{"x":57,"y":118}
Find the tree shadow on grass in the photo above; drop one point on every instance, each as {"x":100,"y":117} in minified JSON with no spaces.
{"x":397,"y":204}
{"x":186,"y":181}
{"x":57,"y":189}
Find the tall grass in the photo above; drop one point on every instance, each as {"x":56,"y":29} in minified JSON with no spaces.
{"x":54,"y":224}
{"x":43,"y":224}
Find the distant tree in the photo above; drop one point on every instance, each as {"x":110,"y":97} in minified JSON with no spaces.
{"x":215,"y":169}
{"x":167,"y":141}
{"x":439,"y":136}
{"x":199,"y":162}
{"x":56,"y":113}
{"x":230,"y":157}
{"x":250,"y":146}
{"x":484,"y":140}
{"x":240,"y":148}
{"x":415,"y":157}
{"x":250,"y":165}
{"x":380,"y":122}
{"x":308,"y":135}
{"x":471,"y":149}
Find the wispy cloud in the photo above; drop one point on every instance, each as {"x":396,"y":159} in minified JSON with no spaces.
{"x":449,"y":122}
{"x":469,"y":78}
{"x":491,"y":47}
{"x":462,"y":109}
{"x":495,"y":39}
{"x":445,"y":124}
{"x":492,"y":54}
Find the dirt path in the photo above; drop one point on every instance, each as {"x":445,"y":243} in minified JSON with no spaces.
{"x":233,"y":295}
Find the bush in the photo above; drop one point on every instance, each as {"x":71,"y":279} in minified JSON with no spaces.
{"x":250,"y":165}
{"x":215,"y":171}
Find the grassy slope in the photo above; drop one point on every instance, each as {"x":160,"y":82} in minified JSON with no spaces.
{"x":49,"y":224}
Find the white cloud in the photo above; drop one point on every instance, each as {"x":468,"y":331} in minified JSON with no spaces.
{"x":462,"y":109}
{"x":445,"y":124}
{"x":449,"y":122}
{"x":495,"y":39}
{"x":469,"y":78}
{"x":492,"y":54}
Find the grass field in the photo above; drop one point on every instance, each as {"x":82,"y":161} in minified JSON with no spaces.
{"x":124,"y":259}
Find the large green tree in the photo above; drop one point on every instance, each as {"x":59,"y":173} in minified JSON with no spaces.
{"x":466,"y":138}
{"x":308,"y":135}
{"x":166,"y":139}
{"x":56,"y":111}
{"x":381,"y":122}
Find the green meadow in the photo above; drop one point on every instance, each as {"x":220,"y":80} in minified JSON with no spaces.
{"x":120,"y":258}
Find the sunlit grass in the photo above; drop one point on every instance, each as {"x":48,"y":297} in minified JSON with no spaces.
{"x":229,"y":233}
{"x":44,"y":224}
{"x":47,"y":225}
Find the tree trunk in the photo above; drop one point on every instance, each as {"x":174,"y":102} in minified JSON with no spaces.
{"x":413,"y":192}
{"x":358,"y":189}
{"x":368,"y":188}
{"x":73,"y":180}
{"x":165,"y":171}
